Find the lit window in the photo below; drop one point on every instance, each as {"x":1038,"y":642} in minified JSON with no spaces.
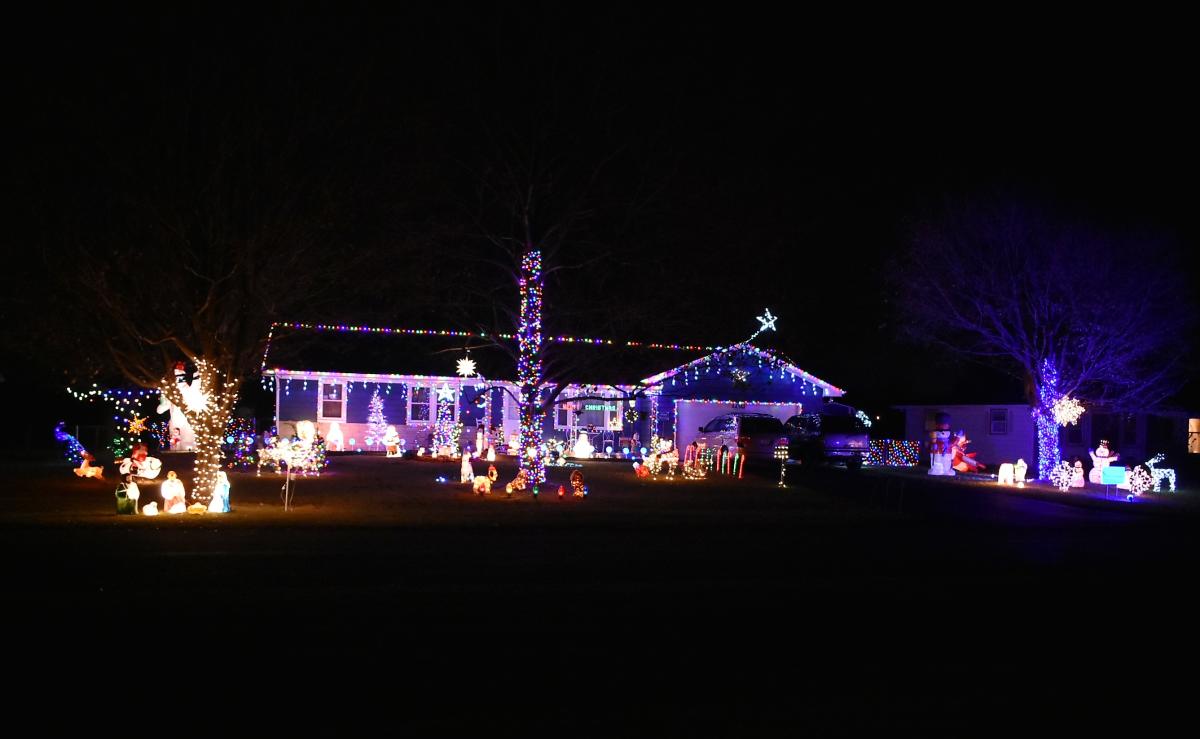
{"x":420,"y":403}
{"x":333,"y":401}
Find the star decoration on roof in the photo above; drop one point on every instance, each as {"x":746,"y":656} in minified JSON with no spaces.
{"x":445,"y":392}
{"x":466,"y":367}
{"x":137,"y":425}
{"x":767,"y":321}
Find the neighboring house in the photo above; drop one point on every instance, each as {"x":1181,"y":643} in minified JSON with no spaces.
{"x":1004,"y":432}
{"x":625,"y":396}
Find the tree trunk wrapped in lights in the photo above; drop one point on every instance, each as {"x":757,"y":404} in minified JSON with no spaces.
{"x":208,"y":416}
{"x":529,"y":366}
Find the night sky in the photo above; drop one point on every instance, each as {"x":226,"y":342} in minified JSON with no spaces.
{"x":748,"y":161}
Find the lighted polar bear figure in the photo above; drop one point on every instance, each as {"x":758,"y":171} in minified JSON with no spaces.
{"x":183,"y":437}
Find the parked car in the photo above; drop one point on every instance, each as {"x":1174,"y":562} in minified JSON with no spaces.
{"x":757,"y":433}
{"x":831,"y":433}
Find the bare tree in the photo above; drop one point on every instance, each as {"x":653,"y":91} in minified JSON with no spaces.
{"x":1070,"y":308}
{"x":210,"y":227}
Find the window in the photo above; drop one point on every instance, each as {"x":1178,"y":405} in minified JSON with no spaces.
{"x":998,"y":421}
{"x":332,"y":405}
{"x":419,"y":400}
{"x":1129,"y":430}
{"x":512,"y":407}
{"x":721,"y":423}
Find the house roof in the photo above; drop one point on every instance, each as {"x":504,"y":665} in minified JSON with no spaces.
{"x":357,"y":350}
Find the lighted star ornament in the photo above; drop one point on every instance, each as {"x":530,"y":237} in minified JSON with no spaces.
{"x":767,"y":321}
{"x":137,"y":426}
{"x":445,"y":392}
{"x":466,"y":367}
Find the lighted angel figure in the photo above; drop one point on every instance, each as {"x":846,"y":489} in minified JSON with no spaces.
{"x":220,"y":499}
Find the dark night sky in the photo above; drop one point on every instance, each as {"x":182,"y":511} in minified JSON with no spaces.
{"x":790,"y":155}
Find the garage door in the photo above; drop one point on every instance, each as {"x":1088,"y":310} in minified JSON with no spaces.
{"x":694,"y":414}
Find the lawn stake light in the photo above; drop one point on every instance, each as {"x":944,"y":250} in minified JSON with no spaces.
{"x":781,"y":453}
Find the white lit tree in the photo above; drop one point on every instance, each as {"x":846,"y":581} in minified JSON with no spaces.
{"x":376,"y":421}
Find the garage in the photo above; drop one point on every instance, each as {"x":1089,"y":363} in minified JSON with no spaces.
{"x":692,"y":414}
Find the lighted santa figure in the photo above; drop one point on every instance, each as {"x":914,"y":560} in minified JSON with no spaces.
{"x":334,"y":440}
{"x":941,"y":450}
{"x":139,"y":465}
{"x":391,"y":442}
{"x":964,"y":461}
{"x":173,"y":494}
{"x":1101,"y":458}
{"x":220,"y":499}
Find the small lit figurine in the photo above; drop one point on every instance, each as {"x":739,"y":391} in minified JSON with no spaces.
{"x":391,"y":442}
{"x":173,"y":494}
{"x":579,"y":490}
{"x":518,"y":483}
{"x":334,"y":440}
{"x":87,"y":470}
{"x":1019,"y":470}
{"x":220,"y":499}
{"x":483,"y":483}
{"x":964,"y":461}
{"x":137,"y":464}
{"x":467,"y":474}
{"x":1077,"y":474}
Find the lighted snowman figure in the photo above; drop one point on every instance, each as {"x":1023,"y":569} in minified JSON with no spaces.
{"x":583,"y":448}
{"x":941,"y":450}
{"x":1077,"y":474}
{"x":335,"y":440}
{"x":1101,"y":458}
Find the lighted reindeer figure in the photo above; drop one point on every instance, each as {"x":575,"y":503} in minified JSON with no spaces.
{"x":1160,"y":475}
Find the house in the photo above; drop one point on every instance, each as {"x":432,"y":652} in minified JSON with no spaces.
{"x":622,"y":396}
{"x":1004,"y":432}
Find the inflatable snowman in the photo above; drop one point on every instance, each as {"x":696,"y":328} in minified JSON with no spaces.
{"x":1101,"y":458}
{"x":941,"y":450}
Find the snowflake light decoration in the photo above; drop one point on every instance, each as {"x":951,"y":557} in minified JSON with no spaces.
{"x":137,"y":426}
{"x":1066,"y":411}
{"x":1060,"y":476}
{"x":1139,"y":480}
{"x":466,"y":367}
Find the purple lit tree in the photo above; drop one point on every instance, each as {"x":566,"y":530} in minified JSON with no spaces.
{"x":1068,"y":307}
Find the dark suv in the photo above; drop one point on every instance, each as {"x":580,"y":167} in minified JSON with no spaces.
{"x":834,"y":433}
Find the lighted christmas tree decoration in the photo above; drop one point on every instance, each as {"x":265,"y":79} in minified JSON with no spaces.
{"x":377,"y":425}
{"x":1066,"y":411}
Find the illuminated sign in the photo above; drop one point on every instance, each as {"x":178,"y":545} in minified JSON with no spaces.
{"x":600,"y":407}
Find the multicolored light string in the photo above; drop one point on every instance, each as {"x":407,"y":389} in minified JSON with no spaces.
{"x":74,"y":450}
